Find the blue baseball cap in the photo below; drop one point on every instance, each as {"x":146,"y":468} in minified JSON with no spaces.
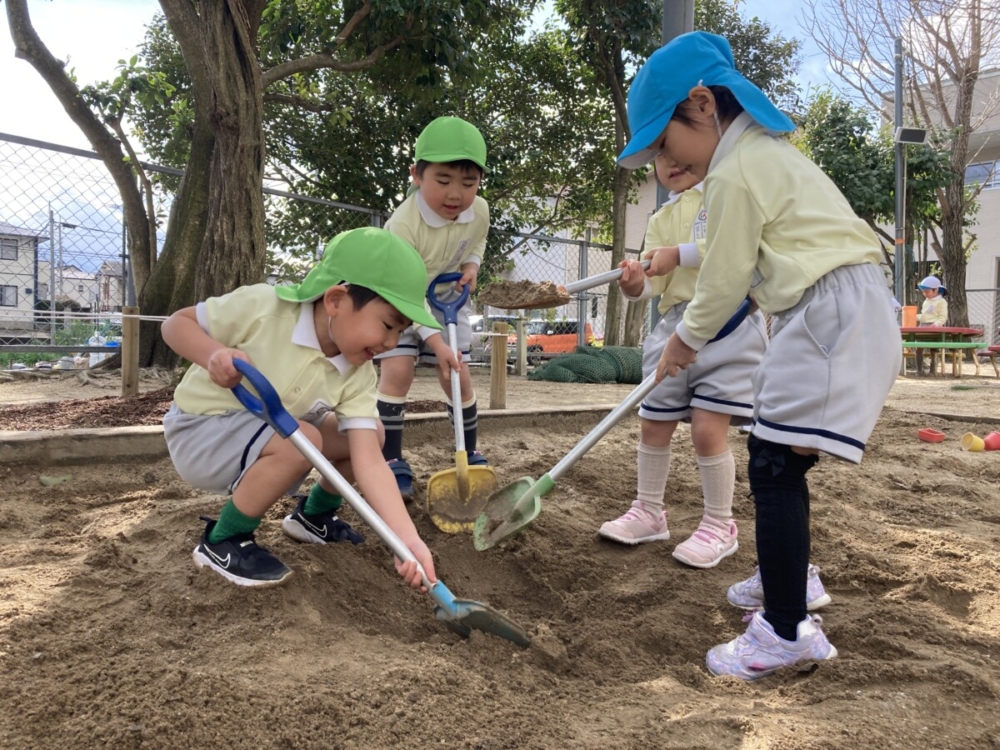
{"x":689,"y":60}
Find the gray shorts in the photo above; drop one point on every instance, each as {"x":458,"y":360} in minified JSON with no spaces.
{"x":213,"y":453}
{"x":411,"y":345}
{"x":830,"y":365}
{"x":719,"y":381}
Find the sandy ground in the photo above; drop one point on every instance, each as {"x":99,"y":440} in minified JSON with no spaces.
{"x":969,"y":396}
{"x":110,"y":638}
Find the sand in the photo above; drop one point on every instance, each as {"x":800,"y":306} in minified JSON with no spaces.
{"x":109,"y":637}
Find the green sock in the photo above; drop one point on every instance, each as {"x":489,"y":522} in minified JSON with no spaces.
{"x":231,"y":522}
{"x":321,"y":501}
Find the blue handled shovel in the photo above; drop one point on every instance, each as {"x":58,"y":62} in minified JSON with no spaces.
{"x":461,"y":615}
{"x":456,"y":496}
{"x":516,"y":505}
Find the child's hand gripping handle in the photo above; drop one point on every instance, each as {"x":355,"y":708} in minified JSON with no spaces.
{"x":460,"y":614}
{"x":268,"y":407}
{"x":448,"y":309}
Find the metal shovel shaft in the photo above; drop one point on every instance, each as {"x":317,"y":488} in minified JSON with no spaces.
{"x":603,"y":427}
{"x":600,"y":279}
{"x":456,"y":390}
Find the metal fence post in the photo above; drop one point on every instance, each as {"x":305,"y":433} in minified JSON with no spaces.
{"x":581,"y":304}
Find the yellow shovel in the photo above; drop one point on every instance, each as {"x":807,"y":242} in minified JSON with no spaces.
{"x":455,"y":497}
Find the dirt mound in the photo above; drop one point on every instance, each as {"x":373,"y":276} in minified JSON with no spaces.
{"x":110,"y":638}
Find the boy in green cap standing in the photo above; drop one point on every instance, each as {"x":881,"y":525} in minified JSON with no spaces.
{"x":314,"y":341}
{"x":447,"y":223}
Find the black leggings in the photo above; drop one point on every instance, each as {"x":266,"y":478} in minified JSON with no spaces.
{"x":781,"y":495}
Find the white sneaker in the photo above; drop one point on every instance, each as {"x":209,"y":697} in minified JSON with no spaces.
{"x":712,"y":542}
{"x":760,"y":652}
{"x":749,"y":594}
{"x":638,"y":525}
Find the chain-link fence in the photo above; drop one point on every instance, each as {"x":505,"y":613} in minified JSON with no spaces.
{"x":984,"y":312}
{"x":64,"y":262}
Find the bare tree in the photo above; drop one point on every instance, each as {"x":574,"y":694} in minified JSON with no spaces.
{"x":948,"y":44}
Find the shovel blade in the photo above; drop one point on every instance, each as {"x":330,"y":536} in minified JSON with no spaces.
{"x":509,"y":510}
{"x":452,"y":504}
{"x":476,"y":615}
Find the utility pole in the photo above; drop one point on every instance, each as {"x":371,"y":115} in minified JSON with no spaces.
{"x":899,"y":259}
{"x":678,"y":18}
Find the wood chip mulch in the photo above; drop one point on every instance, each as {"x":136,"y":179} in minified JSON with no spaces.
{"x":115,"y":411}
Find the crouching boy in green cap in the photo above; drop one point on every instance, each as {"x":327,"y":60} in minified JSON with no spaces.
{"x":447,"y":223}
{"x":314,"y":342}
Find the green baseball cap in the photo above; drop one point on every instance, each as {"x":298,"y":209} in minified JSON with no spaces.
{"x":372,"y":258}
{"x":449,"y":139}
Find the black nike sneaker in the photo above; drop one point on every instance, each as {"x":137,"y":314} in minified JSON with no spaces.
{"x":323,"y":528}
{"x":238,"y":559}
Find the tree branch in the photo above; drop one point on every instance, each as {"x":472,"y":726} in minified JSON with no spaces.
{"x":28,"y":46}
{"x":327,"y":61}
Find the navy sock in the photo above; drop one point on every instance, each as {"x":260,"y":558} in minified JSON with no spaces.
{"x":781,"y":495}
{"x":391,"y":414}
{"x":470,"y":420}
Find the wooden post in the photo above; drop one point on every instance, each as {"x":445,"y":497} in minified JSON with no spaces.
{"x":130,"y":351}
{"x":521,"y":364}
{"x":498,"y":367}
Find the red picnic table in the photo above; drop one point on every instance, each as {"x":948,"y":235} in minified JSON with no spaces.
{"x":943,"y":339}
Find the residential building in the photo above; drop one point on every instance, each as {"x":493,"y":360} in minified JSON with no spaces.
{"x":19,"y":279}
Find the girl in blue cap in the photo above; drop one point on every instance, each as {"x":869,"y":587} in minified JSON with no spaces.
{"x":779,"y":229}
{"x":934,"y":311}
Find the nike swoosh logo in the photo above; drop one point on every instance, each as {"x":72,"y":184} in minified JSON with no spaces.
{"x":224,"y":562}
{"x":319,"y":531}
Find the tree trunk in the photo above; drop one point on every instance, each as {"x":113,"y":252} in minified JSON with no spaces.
{"x":171,"y":285}
{"x":635,"y":316}
{"x":233,"y":250}
{"x":613,"y":323}
{"x":953,"y":262}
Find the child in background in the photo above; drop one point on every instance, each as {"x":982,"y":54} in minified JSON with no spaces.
{"x":314,"y":342}
{"x":934,"y":311}
{"x":779,"y":228}
{"x":447,"y":223}
{"x":711,"y":393}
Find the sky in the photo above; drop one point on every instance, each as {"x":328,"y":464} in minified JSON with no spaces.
{"x":94,"y":34}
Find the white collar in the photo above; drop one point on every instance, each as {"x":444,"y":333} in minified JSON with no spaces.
{"x":431,"y":217}
{"x":304,"y":334}
{"x":743,"y":121}
{"x":674,"y":197}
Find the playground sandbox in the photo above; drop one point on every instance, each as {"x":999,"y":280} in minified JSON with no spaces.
{"x":109,"y":637}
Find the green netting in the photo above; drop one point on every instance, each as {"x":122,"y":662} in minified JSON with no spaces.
{"x":593,"y":364}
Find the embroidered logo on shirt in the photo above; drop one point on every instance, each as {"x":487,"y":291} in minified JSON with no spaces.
{"x":462,"y":244}
{"x":319,"y":408}
{"x":700,"y":228}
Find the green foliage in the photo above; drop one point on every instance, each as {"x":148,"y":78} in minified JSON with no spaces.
{"x":859,"y":157}
{"x":761,"y":54}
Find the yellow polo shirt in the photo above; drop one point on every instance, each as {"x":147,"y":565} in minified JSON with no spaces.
{"x":280,"y":338}
{"x":680,"y":221}
{"x":444,"y":245}
{"x":776,"y":225}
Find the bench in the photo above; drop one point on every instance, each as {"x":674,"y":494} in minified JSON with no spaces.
{"x":991,"y":353}
{"x":957,"y":350}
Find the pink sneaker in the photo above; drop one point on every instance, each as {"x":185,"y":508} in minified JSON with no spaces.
{"x":712,"y":541}
{"x":638,"y":525}
{"x":760,"y":652}
{"x":749,"y":594}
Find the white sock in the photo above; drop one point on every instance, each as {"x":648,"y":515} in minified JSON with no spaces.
{"x":718,"y":480}
{"x":654,"y":468}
